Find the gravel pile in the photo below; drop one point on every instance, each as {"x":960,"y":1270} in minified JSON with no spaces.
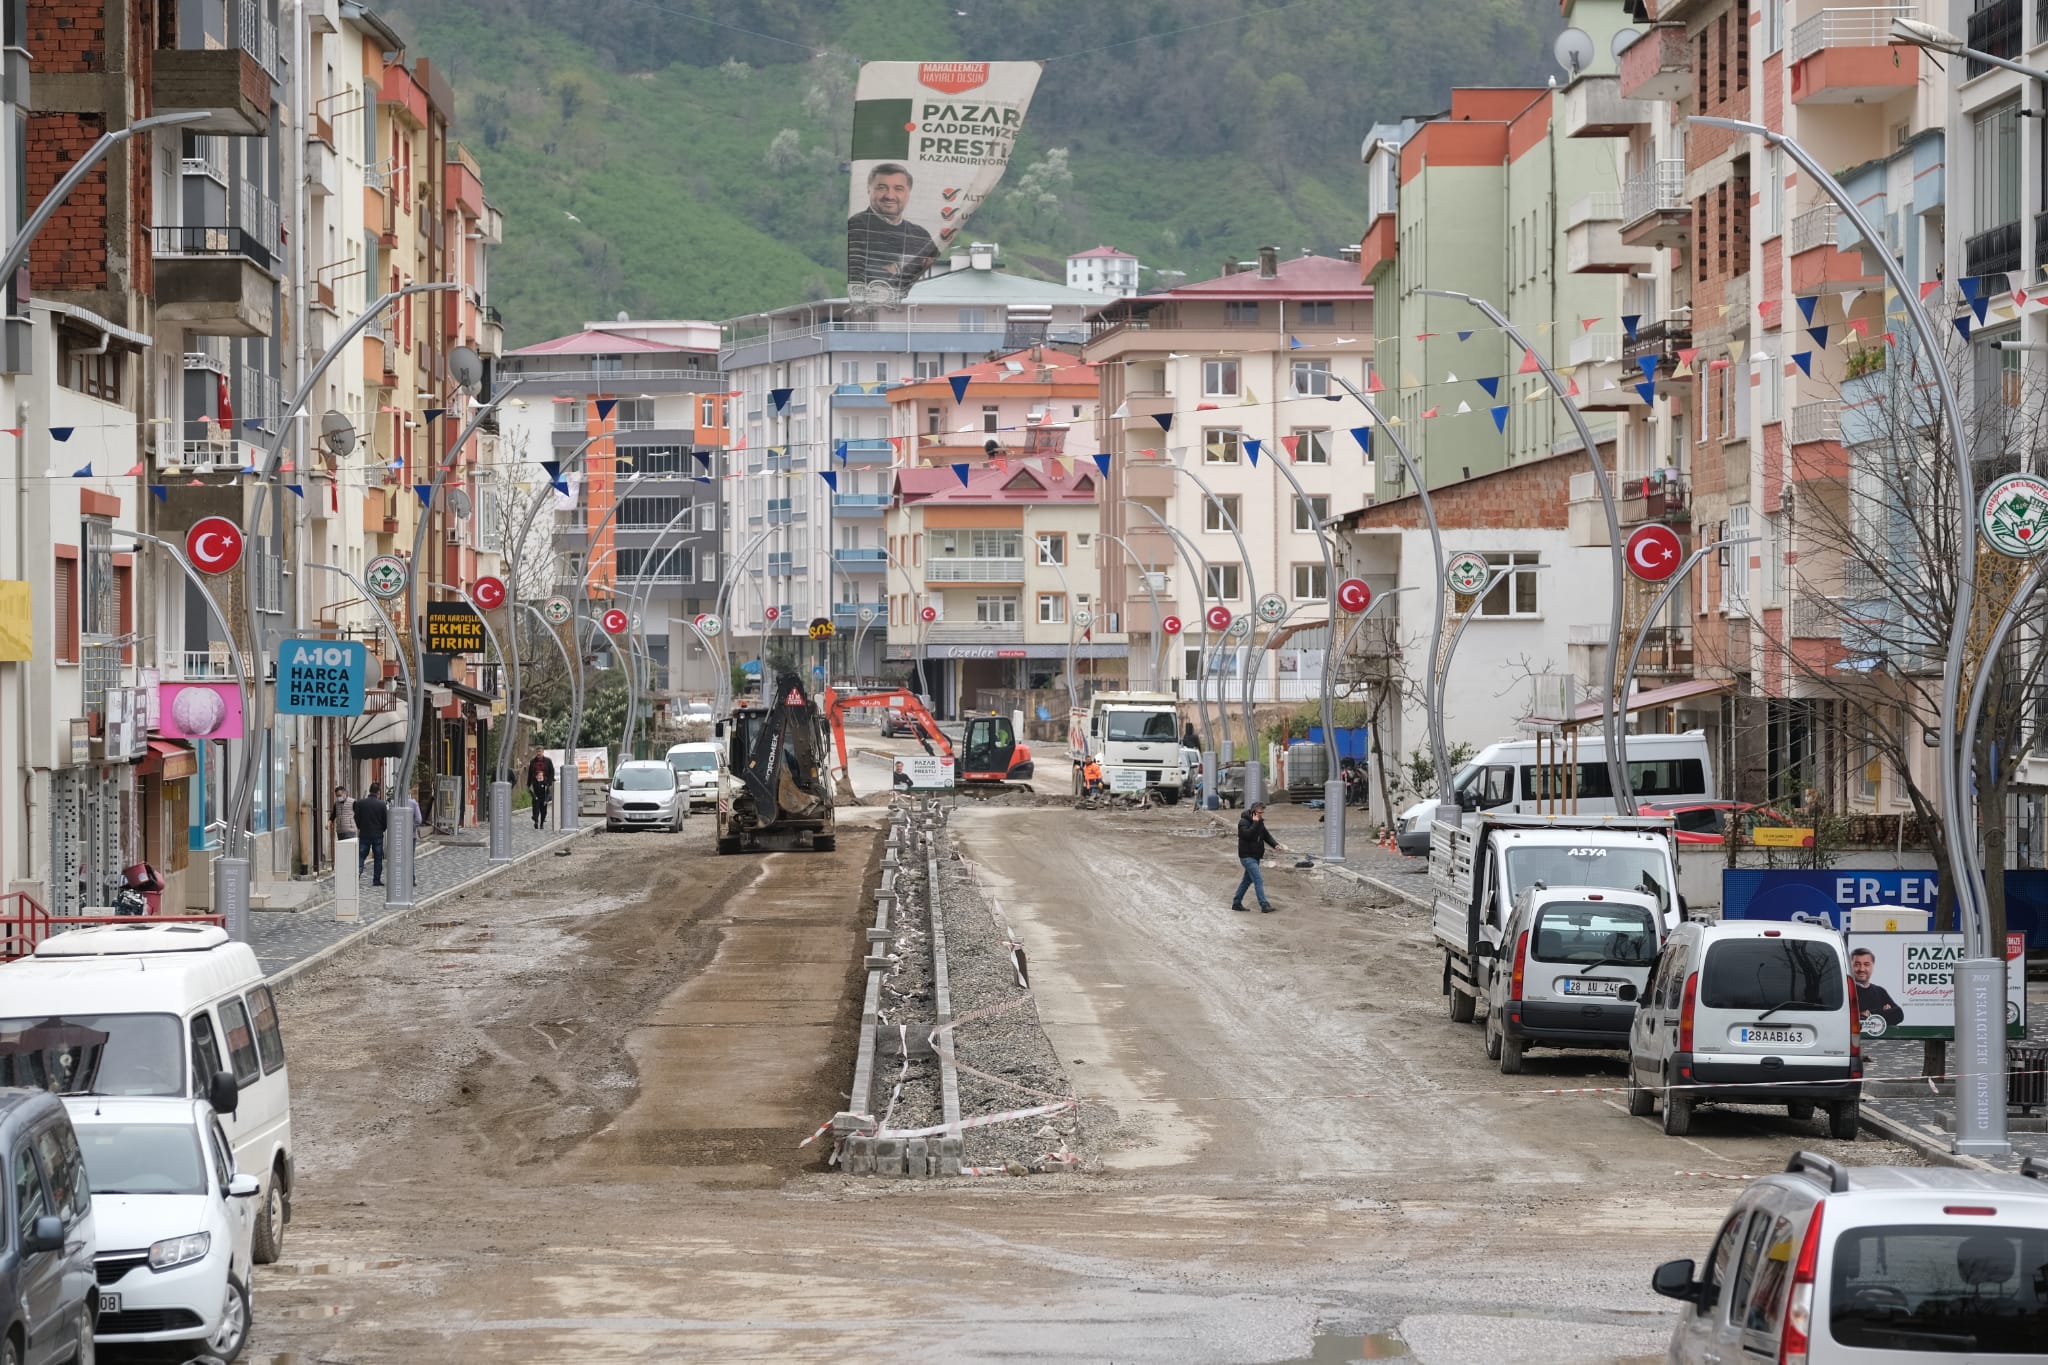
{"x":1008,"y":1043}
{"x":908,"y":1005}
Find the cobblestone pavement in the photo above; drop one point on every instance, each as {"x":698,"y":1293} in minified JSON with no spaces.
{"x":282,"y":938}
{"x":1931,"y":1115}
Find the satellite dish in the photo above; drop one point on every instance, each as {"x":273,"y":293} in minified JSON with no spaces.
{"x":624,"y":316}
{"x":1622,"y":42}
{"x":467,"y":367}
{"x":337,"y":433}
{"x":1573,"y":50}
{"x":458,"y":502}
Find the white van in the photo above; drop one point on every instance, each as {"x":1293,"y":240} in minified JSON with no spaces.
{"x":1510,"y":777}
{"x":696,"y":763}
{"x":1575,"y":962}
{"x":158,"y":1009}
{"x":1748,"y":1012}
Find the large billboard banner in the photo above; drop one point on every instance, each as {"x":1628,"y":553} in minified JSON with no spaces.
{"x":930,"y":142}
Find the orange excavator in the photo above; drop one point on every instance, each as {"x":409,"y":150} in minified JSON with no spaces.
{"x":992,"y":753}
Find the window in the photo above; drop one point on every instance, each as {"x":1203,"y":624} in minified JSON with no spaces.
{"x":931,"y":422}
{"x":1311,"y":583}
{"x":269,"y":1041}
{"x":996,"y":611}
{"x":66,"y":592}
{"x":1939,"y":1283}
{"x":995,"y":544}
{"x":1773,"y":217}
{"x":1221,"y":445}
{"x":1241,"y":313}
{"x":881,"y":371}
{"x":569,"y":413}
{"x":1221,"y":514}
{"x":30,"y":1200}
{"x":234,"y":1022}
{"x":87,"y":371}
{"x":1052,"y":547}
{"x":1052,"y":609}
{"x":1995,"y":141}
{"x":64,"y":1167}
{"x":849,"y":372}
{"x":1311,"y":378}
{"x":1737,"y":575}
{"x":1308,"y":515}
{"x":1870,"y":773}
{"x":1757,"y":973}
{"x":97,"y":613}
{"x":1774,"y":26}
{"x":1222,"y":583}
{"x":708,"y":413}
{"x":1220,"y":379}
{"x":973,"y":319}
{"x":991,"y":419}
{"x":1311,"y":445}
{"x":655,"y":512}
{"x":1316,"y":313}
{"x":206,"y":1058}
{"x":927,"y":369}
{"x":1515,"y":594}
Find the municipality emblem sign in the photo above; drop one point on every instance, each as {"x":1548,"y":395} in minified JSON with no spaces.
{"x":1271,"y":607}
{"x":1466,"y":573}
{"x":555,"y":610}
{"x":2015,"y":516}
{"x":386,"y":576}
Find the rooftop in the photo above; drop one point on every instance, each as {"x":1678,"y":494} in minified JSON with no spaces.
{"x":596,"y":343}
{"x":1298,"y":277}
{"x":1011,"y":482}
{"x":1102,"y":251}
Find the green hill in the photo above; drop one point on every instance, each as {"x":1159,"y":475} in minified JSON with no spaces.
{"x":684,"y":158}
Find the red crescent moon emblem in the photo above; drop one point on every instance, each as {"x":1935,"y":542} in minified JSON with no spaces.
{"x":214,"y":545}
{"x":1654,"y":552}
{"x":1354,"y":595}
{"x":928,"y":615}
{"x":1171,"y":625}
{"x":1219,"y":618}
{"x":615,"y":622}
{"x":490,"y":592}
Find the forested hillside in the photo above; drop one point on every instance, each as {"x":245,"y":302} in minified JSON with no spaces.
{"x":684,"y":157}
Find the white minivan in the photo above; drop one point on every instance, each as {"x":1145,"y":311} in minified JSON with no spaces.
{"x":1575,"y":961}
{"x":1748,"y":1012}
{"x":159,"y":1009}
{"x":1513,"y":778}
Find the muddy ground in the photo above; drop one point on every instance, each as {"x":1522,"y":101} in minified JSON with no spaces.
{"x":559,"y":1120}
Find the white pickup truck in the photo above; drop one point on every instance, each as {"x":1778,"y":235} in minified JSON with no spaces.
{"x":1136,"y":738}
{"x":1478,"y":868}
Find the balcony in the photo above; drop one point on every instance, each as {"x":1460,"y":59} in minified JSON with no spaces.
{"x":1592,"y":239}
{"x":862,"y":561}
{"x":852,"y":396}
{"x":1657,"y":66}
{"x":1654,"y":210}
{"x":1814,"y":431}
{"x":206,"y":457}
{"x":1602,"y":385}
{"x":321,"y":173}
{"x":228,"y":84}
{"x":216,"y":281}
{"x":1994,"y":29}
{"x":1846,"y":56}
{"x":1819,"y":263}
{"x":868,"y":450}
{"x":1594,"y":107}
{"x":878,"y":612}
{"x":1664,"y":338}
{"x":1993,"y":251}
{"x":1666,"y":655}
{"x":1147,"y":479}
{"x":1376,"y":249}
{"x":973,"y":569}
{"x":859,"y":504}
{"x":1815,"y":616}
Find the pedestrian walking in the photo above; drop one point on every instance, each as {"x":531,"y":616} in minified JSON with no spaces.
{"x":540,"y":780}
{"x":372,"y":819}
{"x":342,"y":818}
{"x":1253,"y":839}
{"x":419,"y":819}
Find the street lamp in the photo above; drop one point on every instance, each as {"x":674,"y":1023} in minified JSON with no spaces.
{"x":1919,"y":33}
{"x":1980,"y":979}
{"x":1333,"y":783}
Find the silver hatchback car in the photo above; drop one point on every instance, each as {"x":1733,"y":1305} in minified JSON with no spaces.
{"x":646,"y":794}
{"x":1833,"y":1265}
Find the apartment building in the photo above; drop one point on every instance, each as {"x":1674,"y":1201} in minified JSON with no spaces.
{"x":833,"y":365}
{"x":1209,"y":377}
{"x":646,"y":404}
{"x":1103,"y":270}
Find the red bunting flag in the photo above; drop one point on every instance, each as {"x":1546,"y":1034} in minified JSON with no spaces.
{"x":1291,"y":444}
{"x":1372,"y":384}
{"x":1860,"y":326}
{"x":1586,"y":324}
{"x":1430,"y":413}
{"x":1529,"y":365}
{"x":1685,"y":356}
{"x":1928,"y":287}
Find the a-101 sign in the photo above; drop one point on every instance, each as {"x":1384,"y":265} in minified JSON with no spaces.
{"x":321,"y":677}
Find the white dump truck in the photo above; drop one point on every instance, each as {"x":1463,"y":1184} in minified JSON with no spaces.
{"x":1136,"y":738}
{"x":1481,"y":865}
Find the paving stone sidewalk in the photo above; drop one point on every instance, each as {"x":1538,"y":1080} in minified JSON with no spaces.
{"x":285,"y":938}
{"x":1928,"y":1115}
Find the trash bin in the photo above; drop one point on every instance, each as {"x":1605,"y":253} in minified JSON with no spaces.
{"x":2026,"y":1077}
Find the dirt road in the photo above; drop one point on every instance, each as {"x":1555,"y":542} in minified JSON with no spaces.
{"x":560,"y":1123}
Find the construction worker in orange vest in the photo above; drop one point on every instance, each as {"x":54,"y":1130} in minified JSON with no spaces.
{"x":1091,"y":776}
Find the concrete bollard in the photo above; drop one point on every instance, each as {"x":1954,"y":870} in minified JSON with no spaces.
{"x":915,"y":1158}
{"x":348,"y":885}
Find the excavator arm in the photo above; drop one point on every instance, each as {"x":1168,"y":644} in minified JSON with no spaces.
{"x":837,"y":705}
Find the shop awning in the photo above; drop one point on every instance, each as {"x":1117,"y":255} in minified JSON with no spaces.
{"x":379,"y":734}
{"x":1588,"y":712}
{"x":468,"y":693}
{"x":168,"y":759}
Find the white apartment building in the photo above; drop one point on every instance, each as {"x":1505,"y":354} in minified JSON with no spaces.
{"x":1103,"y":270}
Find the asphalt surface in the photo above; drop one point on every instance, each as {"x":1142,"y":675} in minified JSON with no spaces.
{"x":557,"y":1117}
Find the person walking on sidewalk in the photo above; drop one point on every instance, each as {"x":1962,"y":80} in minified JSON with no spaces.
{"x":342,"y":819}
{"x":1253,"y":839}
{"x":372,"y":819}
{"x":540,"y":780}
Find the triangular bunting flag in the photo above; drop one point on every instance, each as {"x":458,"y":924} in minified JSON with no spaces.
{"x":831,"y":478}
{"x":296,"y":490}
{"x":431,"y":414}
{"x":61,"y":433}
{"x":959,"y":383}
{"x":839,"y":452}
{"x":134,"y":471}
{"x":1628,"y":324}
{"x":1252,"y":447}
{"x":426,"y":492}
{"x":1645,"y":390}
{"x":605,"y":406}
{"x":1293,"y":343}
{"x":1292,"y":445}
{"x":1431,"y":413}
{"x":1586,"y":324}
{"x":1971,"y":289}
{"x":1250,"y":399}
{"x":704,"y":456}
{"x":1928,"y":287}
{"x":1122,"y":410}
{"x":1165,"y":420}
{"x":1450,"y":377}
{"x":1491,"y":384}
{"x":1806,"y":305}
{"x":1372,"y":384}
{"x":1648,"y":364}
{"x":1861,"y":327}
{"x":1363,"y":435}
{"x":83,"y":472}
{"x":960,"y":471}
{"x":1804,"y":360}
{"x":1963,"y":326}
{"x":1463,"y":406}
{"x":1735,"y":348}
{"x":1981,"y":304}
{"x":1819,"y":335}
{"x":1529,"y":365}
{"x":163,"y":494}
{"x":1101,"y":459}
{"x":1500,"y":417}
{"x":780,"y":398}
{"x":553,"y":469}
{"x":1464,"y":336}
{"x":1573,"y":391}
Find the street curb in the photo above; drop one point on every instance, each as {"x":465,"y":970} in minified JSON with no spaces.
{"x":286,"y":974}
{"x":1928,"y":1144}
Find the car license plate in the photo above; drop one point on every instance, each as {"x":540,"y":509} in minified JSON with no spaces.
{"x":1576,"y":986}
{"x":110,"y":1303}
{"x":1770,"y":1035}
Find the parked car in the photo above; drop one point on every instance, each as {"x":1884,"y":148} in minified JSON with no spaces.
{"x":1827,"y":1264}
{"x":895,"y":724}
{"x":176,"y":1223}
{"x":1748,"y":1012}
{"x":173,"y":1010}
{"x":1708,"y":822}
{"x":696,"y":766}
{"x":646,"y":793}
{"x":1576,"y":962}
{"x":47,"y":1241}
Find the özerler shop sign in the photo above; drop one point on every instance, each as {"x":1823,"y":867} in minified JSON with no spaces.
{"x":321,"y":677}
{"x":454,"y":628}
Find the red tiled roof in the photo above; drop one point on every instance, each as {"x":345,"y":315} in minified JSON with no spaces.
{"x":596,"y":343}
{"x":1102,"y":251}
{"x":988,"y":484}
{"x":1066,"y":367}
{"x":1303,"y":277}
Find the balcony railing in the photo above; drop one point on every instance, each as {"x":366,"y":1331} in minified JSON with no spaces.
{"x":1859,"y":26}
{"x":1814,"y":228}
{"x":1658,"y":190}
{"x":493,"y":316}
{"x":210,"y":241}
{"x":1993,"y":251}
{"x":201,"y":663}
{"x":1993,"y":29}
{"x":974,"y":569}
{"x":1821,"y":421}
{"x":1816,"y":617}
{"x":206,"y":457}
{"x":875,"y":559}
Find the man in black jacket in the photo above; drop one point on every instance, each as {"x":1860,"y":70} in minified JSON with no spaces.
{"x":1872,"y":998}
{"x":1253,"y":839}
{"x":372,"y":819}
